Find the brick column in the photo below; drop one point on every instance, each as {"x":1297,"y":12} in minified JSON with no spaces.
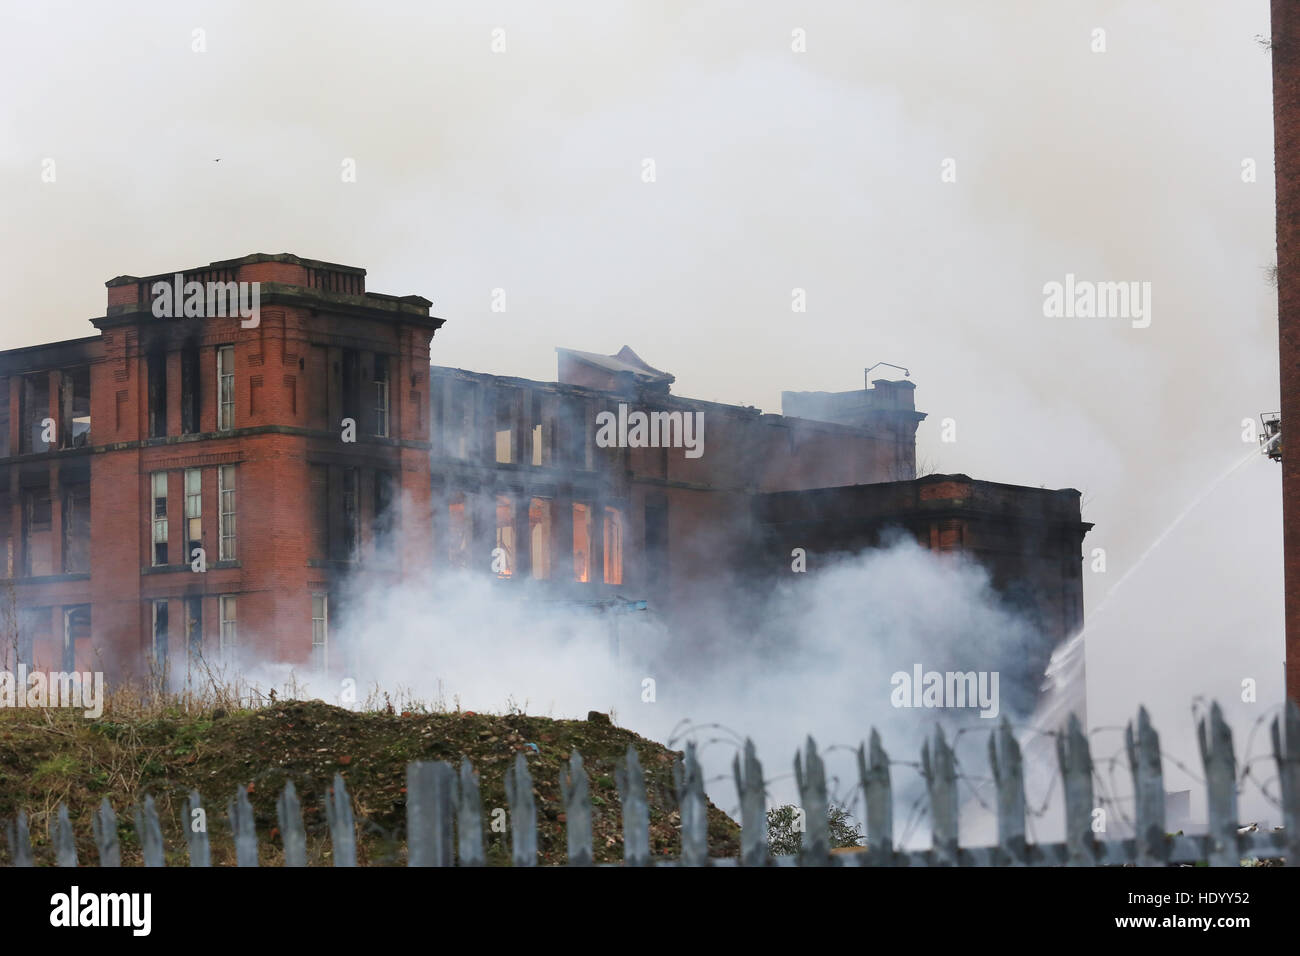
{"x":415,"y":507}
{"x":16,"y":522}
{"x":483,"y":437}
{"x":56,"y":520}
{"x":562,"y":544}
{"x":597,"y":576}
{"x":15,"y":386}
{"x":55,"y":386}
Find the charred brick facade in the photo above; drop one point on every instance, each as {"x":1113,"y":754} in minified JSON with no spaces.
{"x":207,"y":487}
{"x":645,"y":523}
{"x":1029,"y":540}
{"x":202,"y":444}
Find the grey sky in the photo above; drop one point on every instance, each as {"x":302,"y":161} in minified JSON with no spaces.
{"x":775,"y":169}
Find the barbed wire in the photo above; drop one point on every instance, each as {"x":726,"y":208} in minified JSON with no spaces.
{"x":1111,"y":772}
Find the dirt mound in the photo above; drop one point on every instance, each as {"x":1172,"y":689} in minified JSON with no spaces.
{"x":52,"y":756}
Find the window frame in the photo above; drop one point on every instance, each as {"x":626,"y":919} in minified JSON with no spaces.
{"x":160,"y":649}
{"x":228,"y":632}
{"x":225,"y":408}
{"x":227,"y":516}
{"x":613,"y":534}
{"x":350,"y":504}
{"x":382,"y":394}
{"x":75,"y":546}
{"x":320,"y":659}
{"x":158,"y":526}
{"x":193,"y":512}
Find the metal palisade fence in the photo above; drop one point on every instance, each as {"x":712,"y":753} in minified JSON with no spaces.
{"x":445,"y":819}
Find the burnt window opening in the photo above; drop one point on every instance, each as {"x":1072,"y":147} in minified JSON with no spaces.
{"x":573,"y":434}
{"x":34,"y":400}
{"x":539,"y":445}
{"x":76,"y":528}
{"x":581,"y":542}
{"x":458,"y":531}
{"x":656,"y":542}
{"x":507,"y":402}
{"x":38,"y":509}
{"x":460,"y":421}
{"x":351,"y":385}
{"x":190,"y":392}
{"x":76,"y":637}
{"x":540,"y":429}
{"x":539,"y":537}
{"x":384,"y":516}
{"x":74,"y":405}
{"x":613,"y":546}
{"x":160,"y":632}
{"x":503,"y":558}
{"x":351,"y":516}
{"x":194,"y":628}
{"x":381,"y":395}
{"x":157,"y":373}
{"x":38,"y":543}
{"x":320,"y":512}
{"x":33,"y":625}
{"x":336,"y":506}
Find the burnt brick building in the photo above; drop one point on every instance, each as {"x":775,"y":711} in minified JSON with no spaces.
{"x":517,"y":465}
{"x":1029,"y":541}
{"x":206,"y":487}
{"x":177,"y":485}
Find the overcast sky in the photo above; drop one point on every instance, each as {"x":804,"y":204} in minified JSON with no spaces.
{"x":523,"y":169}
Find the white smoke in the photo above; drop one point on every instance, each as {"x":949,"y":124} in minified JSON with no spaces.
{"x":820,"y":662}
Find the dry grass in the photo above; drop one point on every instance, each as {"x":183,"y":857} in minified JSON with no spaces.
{"x":218,"y":737}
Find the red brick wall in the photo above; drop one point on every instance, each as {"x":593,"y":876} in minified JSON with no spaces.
{"x":1286,"y":148}
{"x":279,"y":397}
